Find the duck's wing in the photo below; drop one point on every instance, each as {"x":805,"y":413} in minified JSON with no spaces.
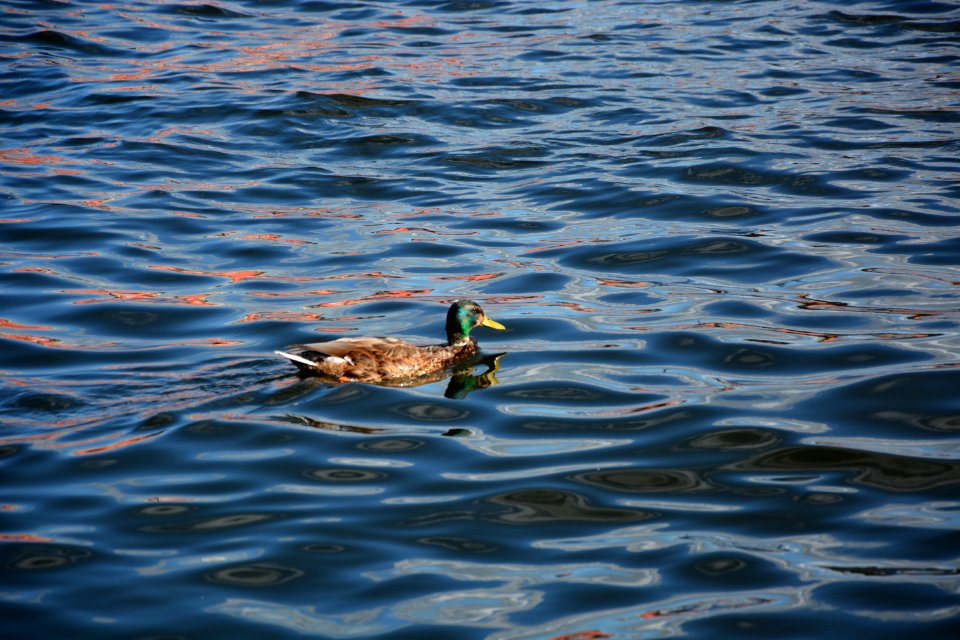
{"x":367,"y":359}
{"x":353,"y":348}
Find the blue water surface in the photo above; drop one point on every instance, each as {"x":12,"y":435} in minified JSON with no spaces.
{"x":723,"y":238}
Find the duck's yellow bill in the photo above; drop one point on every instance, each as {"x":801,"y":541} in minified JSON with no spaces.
{"x":493,"y":324}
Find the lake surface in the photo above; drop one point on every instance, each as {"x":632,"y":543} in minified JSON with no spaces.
{"x":723,"y":237}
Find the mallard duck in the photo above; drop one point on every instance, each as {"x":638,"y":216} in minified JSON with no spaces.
{"x":381,"y":360}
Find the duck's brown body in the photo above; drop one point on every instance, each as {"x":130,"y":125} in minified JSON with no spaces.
{"x":391,"y":360}
{"x":380,"y":359}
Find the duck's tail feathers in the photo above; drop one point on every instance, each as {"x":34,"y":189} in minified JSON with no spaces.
{"x":296,"y":358}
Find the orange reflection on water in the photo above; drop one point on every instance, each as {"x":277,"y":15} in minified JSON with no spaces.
{"x":653,"y":406}
{"x":406,"y":230}
{"x":474,"y":278}
{"x":579,"y":307}
{"x":560,"y":245}
{"x":120,"y":295}
{"x":34,"y":270}
{"x":23,"y":537}
{"x":45,"y":341}
{"x":26,"y":156}
{"x":626,"y":284}
{"x":41,"y":340}
{"x":583,"y":635}
{"x":136,"y":75}
{"x":419,"y":212}
{"x":233,"y":276}
{"x":296,"y":316}
{"x":310,"y":212}
{"x":274,"y":237}
{"x":195,"y":300}
{"x":380,"y":295}
{"x":99,"y":203}
{"x":244,"y":274}
{"x":220,"y":342}
{"x":814,"y":304}
{"x":358,"y":276}
{"x":316,"y":48}
{"x":10,"y":324}
{"x":113,"y":446}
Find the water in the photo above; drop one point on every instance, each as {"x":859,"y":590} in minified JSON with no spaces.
{"x":723,"y":239}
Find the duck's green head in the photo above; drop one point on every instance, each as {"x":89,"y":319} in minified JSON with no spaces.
{"x":463,"y":316}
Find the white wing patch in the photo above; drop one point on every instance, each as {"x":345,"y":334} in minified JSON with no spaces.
{"x":296,"y":358}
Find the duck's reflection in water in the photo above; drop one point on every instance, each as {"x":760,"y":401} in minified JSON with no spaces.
{"x":464,"y":380}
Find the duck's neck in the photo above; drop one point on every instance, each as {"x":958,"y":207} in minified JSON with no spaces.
{"x":457,"y":334}
{"x":458,"y":338}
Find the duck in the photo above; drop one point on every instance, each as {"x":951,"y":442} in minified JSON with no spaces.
{"x":392,"y":360}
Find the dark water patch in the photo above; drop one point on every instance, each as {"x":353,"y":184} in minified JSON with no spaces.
{"x":52,"y":235}
{"x":729,"y":258}
{"x":210,"y":524}
{"x":120,"y":320}
{"x":209,"y":11}
{"x":675,"y":138}
{"x":339,"y":475}
{"x":865,"y":19}
{"x":42,"y":402}
{"x":858,"y":124}
{"x":506,"y":226}
{"x":605,"y":198}
{"x":254,"y":575}
{"x":549,"y":106}
{"x":911,"y":404}
{"x":737,"y":309}
{"x":736,"y":439}
{"x":105,"y":99}
{"x":457,"y":6}
{"x":45,"y":557}
{"x":880,"y":471}
{"x":485,"y":81}
{"x":666,"y":481}
{"x":929,"y":115}
{"x":715,"y":355}
{"x":430,"y":250}
{"x":52,"y":40}
{"x":578,"y":395}
{"x":477,"y":115}
{"x":385,"y":145}
{"x":733,"y":175}
{"x":493,"y":160}
{"x":343,"y":105}
{"x":527,"y":282}
{"x":652,"y":415}
{"x":942,"y":252}
{"x":724,"y":100}
{"x":539,"y":506}
{"x":924,"y":218}
{"x":855,"y":237}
